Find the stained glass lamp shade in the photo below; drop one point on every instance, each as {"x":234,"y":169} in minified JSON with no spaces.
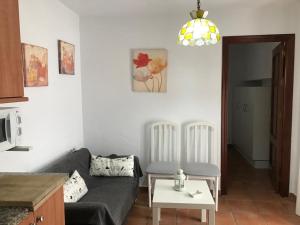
{"x":199,"y":31}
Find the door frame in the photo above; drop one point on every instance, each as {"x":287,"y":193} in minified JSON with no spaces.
{"x":289,"y":42}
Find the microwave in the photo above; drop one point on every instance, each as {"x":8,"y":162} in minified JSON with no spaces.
{"x":10,"y":128}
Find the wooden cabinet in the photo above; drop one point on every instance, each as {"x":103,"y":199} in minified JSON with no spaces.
{"x":50,"y":212}
{"x":11,"y":76}
{"x":39,"y":194}
{"x":29,"y":220}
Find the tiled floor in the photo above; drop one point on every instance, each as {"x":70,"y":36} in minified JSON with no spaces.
{"x":251,"y":200}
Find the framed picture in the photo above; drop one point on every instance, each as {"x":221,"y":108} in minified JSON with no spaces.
{"x":35,"y":65}
{"x":66,"y":58}
{"x":149,"y":70}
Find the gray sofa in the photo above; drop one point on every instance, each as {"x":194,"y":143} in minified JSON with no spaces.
{"x":108,"y":200}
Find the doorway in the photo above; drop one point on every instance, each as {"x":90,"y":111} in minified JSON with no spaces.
{"x":281,"y":106}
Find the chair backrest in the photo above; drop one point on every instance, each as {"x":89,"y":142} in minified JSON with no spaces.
{"x":164,"y":142}
{"x":199,"y":144}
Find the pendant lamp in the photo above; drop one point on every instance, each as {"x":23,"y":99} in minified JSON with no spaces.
{"x":198,"y":31}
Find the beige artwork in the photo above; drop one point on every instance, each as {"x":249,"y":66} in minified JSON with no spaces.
{"x":149,"y":70}
{"x":35,"y":65}
{"x":66,"y":52}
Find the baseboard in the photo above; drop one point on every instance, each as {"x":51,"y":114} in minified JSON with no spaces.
{"x":257,"y":164}
{"x":293,"y":196}
{"x":261,"y":164}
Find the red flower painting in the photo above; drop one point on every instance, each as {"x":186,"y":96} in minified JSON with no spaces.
{"x":35,"y":65}
{"x":149,"y":70}
{"x":66,"y":52}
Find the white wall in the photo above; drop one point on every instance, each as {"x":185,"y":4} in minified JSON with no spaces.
{"x":53,"y":116}
{"x":114,"y":116}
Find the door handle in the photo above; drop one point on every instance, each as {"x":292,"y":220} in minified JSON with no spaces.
{"x":40,"y":219}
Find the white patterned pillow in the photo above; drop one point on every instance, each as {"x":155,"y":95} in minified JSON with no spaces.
{"x":102,"y":166}
{"x":74,"y":188}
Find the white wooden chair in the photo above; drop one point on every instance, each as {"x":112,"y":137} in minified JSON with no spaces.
{"x":200,"y":154}
{"x":164,"y":156}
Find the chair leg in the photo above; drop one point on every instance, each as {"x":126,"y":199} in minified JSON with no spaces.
{"x":203,"y":216}
{"x":217,"y":193}
{"x":149,"y":190}
{"x":213,"y":187}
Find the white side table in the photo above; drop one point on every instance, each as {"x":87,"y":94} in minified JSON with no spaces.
{"x":166,"y":197}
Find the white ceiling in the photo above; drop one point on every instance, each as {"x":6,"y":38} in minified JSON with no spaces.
{"x":153,"y":7}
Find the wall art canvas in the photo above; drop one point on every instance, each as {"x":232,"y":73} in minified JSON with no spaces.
{"x":66,"y":55}
{"x":35,"y":65}
{"x":149,"y":70}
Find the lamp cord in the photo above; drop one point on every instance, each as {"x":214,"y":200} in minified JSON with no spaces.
{"x":198,"y":5}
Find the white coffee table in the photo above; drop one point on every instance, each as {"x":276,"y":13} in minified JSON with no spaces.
{"x":166,"y":197}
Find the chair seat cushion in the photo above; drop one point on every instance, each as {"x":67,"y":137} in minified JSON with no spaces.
{"x":168,"y":168}
{"x":201,"y":169}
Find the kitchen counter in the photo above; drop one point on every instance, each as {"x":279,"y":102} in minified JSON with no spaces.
{"x":28,"y":190}
{"x":12,"y":215}
{"x":23,"y":193}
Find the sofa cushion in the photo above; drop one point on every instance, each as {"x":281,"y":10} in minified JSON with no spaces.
{"x":88,"y":213}
{"x":74,"y":188}
{"x":103,"y":166}
{"x":137,"y":168}
{"x":76,"y":160}
{"x":117,"y":193}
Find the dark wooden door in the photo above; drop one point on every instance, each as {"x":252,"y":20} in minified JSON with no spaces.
{"x":276,"y":146}
{"x":284,"y":82}
{"x":11,"y":78}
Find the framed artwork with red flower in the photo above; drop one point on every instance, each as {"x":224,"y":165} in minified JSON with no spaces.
{"x":66,"y":58}
{"x":149,"y":70}
{"x":35,"y":65}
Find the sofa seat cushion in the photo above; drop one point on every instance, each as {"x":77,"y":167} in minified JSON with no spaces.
{"x":87,"y":213}
{"x":118,"y":194}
